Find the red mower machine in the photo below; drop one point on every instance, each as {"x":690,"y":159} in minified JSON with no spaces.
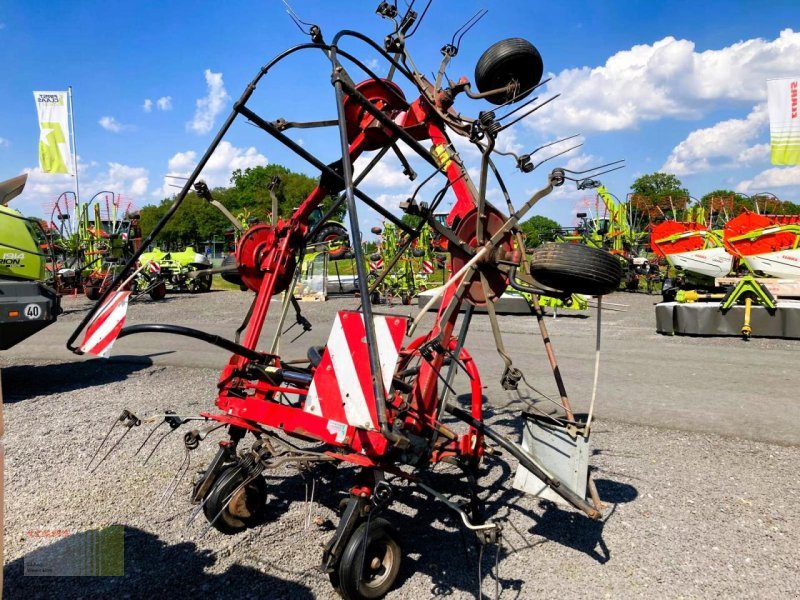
{"x":379,"y":396}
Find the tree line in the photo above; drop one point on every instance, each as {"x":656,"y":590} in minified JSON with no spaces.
{"x":653,"y":197}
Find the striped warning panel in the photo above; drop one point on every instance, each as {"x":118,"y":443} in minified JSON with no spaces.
{"x":103,"y":330}
{"x":427,"y":267}
{"x":342,"y":386}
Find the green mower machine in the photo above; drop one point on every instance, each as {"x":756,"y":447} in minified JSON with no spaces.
{"x":27,"y":303}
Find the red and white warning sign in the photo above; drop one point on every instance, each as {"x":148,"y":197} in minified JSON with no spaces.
{"x":427,"y":267}
{"x":104,"y":329}
{"x":376,"y":265}
{"x":341,"y":390}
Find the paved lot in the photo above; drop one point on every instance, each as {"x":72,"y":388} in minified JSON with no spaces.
{"x":695,"y":451}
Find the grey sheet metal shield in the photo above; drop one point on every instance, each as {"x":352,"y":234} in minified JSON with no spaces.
{"x":564,"y":457}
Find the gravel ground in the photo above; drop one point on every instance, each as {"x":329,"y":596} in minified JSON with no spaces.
{"x":690,"y":515}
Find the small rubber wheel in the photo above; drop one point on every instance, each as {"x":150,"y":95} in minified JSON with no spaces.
{"x":232,"y":276}
{"x":203,"y":282}
{"x":370,"y":562}
{"x":159,"y":291}
{"x":92,"y":291}
{"x":245,"y":507}
{"x":509,"y":60}
{"x":405,"y":298}
{"x":375,"y":298}
{"x":332,"y":233}
{"x":576,"y":269}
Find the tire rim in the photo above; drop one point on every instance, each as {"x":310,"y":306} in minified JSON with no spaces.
{"x":378,"y":564}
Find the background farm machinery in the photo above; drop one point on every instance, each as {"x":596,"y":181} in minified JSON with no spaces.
{"x":91,"y":242}
{"x":381,"y":395}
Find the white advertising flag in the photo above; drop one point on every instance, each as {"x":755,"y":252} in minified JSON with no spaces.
{"x":784,"y":120}
{"x":54,"y":148}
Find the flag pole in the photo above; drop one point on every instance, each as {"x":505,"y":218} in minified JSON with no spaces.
{"x":74,"y":151}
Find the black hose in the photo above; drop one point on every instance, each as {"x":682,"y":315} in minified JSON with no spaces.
{"x":210,"y":338}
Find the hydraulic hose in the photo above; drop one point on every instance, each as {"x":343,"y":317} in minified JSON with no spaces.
{"x":209,"y":338}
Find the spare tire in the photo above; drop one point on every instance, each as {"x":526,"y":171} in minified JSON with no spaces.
{"x":576,"y":269}
{"x":512,"y":59}
{"x":231,"y":276}
{"x":336,"y":235}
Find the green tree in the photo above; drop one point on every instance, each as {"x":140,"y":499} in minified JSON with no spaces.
{"x":196,"y":221}
{"x":659,"y":185}
{"x":538,"y":229}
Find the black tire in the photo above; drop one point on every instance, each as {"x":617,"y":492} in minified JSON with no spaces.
{"x":92,"y":291}
{"x":381,"y":563}
{"x":244,"y":510}
{"x":375,"y":298}
{"x":203,"y":282}
{"x":512,"y":59}
{"x":158,"y":291}
{"x":405,"y":298}
{"x":333,"y":232}
{"x":576,"y":269}
{"x":232,"y":276}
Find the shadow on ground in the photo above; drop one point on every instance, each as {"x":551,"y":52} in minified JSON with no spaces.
{"x":154,"y":569}
{"x":22,"y":382}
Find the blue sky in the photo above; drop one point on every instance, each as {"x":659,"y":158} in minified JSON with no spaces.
{"x":677,"y":86}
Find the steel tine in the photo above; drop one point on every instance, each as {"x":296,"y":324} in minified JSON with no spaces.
{"x":110,"y":450}
{"x":147,"y":439}
{"x":158,"y":443}
{"x":175,"y":479}
{"x":129,"y":420}
{"x":96,"y":452}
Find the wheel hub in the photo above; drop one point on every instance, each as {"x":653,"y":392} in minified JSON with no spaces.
{"x":467,"y":231}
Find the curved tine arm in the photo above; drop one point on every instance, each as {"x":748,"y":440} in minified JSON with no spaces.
{"x":530,"y":112}
{"x":350,"y":33}
{"x":184,"y":192}
{"x":616,"y":162}
{"x":498,"y":337}
{"x":553,"y":143}
{"x":540,"y":163}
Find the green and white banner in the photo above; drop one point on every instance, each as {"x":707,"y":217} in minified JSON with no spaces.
{"x":54,"y":146}
{"x":784,"y":120}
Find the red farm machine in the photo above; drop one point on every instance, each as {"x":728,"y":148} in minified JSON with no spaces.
{"x":379,"y":396}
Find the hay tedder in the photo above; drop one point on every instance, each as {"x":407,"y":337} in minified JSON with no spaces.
{"x":380,"y":395}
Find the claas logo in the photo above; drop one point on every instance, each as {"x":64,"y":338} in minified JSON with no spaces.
{"x":50,"y":99}
{"x":12,"y":259}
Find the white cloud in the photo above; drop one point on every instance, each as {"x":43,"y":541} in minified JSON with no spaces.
{"x":148,"y":105}
{"x":182,"y":162}
{"x":390,"y":202}
{"x":775,"y":177}
{"x":217,"y":172}
{"x":123,"y":179}
{"x":164,"y":103}
{"x":665,"y":79}
{"x":725,"y":144}
{"x":383,"y":175}
{"x":209,"y":106}
{"x":112,"y":125}
{"x":4,"y":142}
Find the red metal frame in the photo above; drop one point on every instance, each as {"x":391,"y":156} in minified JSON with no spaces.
{"x":267,"y":258}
